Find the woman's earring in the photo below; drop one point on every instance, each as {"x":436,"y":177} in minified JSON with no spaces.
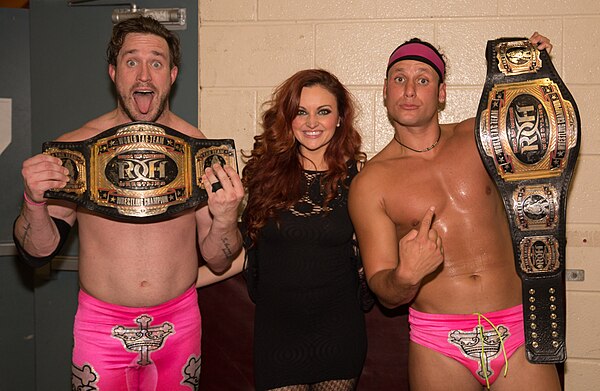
{"x":339,"y":123}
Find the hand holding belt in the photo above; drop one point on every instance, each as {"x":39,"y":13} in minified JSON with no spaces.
{"x":528,"y":134}
{"x":139,"y":171}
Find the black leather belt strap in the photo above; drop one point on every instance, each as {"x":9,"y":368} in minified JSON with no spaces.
{"x":528,"y":134}
{"x":139,"y":171}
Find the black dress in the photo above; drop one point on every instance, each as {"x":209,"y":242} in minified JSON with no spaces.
{"x":308,"y":323}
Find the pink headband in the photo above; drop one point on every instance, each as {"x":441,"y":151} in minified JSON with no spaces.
{"x":418,"y":52}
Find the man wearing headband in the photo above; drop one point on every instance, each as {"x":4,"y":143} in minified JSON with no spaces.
{"x":424,"y":52}
{"x":433,"y":234}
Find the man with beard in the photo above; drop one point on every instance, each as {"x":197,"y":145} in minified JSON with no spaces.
{"x":134,"y":276}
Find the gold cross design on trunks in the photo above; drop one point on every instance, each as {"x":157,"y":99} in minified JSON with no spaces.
{"x":479,"y":345}
{"x":144,"y":339}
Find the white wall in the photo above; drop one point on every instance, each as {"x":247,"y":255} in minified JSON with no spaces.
{"x":249,"y":46}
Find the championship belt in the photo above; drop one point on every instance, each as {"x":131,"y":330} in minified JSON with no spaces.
{"x":528,"y":134}
{"x":139,"y":171}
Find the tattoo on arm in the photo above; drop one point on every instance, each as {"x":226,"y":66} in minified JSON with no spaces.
{"x":26,"y":229}
{"x":226,"y":247}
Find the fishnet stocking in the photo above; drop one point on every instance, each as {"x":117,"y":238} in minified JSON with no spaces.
{"x":330,"y":385}
{"x":296,"y":387}
{"x":335,"y":385}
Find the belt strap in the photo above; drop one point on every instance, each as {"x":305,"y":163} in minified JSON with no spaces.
{"x":139,"y":171}
{"x":528,"y":134}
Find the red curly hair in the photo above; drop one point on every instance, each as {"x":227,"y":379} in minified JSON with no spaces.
{"x":273,"y":174}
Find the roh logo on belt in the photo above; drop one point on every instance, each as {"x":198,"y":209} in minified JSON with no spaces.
{"x":141,"y":170}
{"x":527,"y":129}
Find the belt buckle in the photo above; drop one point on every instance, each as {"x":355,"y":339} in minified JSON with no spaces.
{"x":139,"y":171}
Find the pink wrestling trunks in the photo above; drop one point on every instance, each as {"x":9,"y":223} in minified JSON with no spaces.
{"x":120,"y":348}
{"x":481,"y":342}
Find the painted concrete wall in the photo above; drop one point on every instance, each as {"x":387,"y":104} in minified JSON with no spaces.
{"x":246,"y":47}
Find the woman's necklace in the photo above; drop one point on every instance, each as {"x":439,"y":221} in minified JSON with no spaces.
{"x":429,"y":148}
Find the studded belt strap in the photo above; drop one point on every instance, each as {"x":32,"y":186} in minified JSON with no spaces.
{"x":528,"y":134}
{"x":139,"y":171}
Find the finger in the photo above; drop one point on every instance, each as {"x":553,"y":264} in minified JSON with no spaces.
{"x":211,"y":186}
{"x":41,"y":158}
{"x":410,"y":235}
{"x":426,"y":222}
{"x":433,"y":236}
{"x":541,"y":42}
{"x":221,"y":173}
{"x":235,"y":179}
{"x":230,"y":180}
{"x":535,"y":39}
{"x":44,"y":164}
{"x":229,"y":170}
{"x":210,"y":177}
{"x":216,"y":186}
{"x":36,"y":191}
{"x":232,"y":175}
{"x":210,"y":174}
{"x":39,"y":180}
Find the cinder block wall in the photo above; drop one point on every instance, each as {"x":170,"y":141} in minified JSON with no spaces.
{"x":249,"y":46}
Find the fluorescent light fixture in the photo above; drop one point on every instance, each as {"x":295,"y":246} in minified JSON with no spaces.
{"x":171,"y":18}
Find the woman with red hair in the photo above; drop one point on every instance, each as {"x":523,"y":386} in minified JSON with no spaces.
{"x":309,"y":331}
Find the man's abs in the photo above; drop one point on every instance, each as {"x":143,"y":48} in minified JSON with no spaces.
{"x":137,"y":264}
{"x":495,"y":288}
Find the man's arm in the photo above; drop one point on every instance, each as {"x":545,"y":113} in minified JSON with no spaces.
{"x":394,"y":269}
{"x":207,"y":277}
{"x":34,"y":230}
{"x":219,"y":238}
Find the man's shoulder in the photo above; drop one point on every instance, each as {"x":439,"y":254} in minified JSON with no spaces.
{"x":460,"y":131}
{"x":93,"y":127}
{"x":182,"y":126}
{"x":467,"y":125}
{"x":384,"y":159}
{"x":88,"y":130}
{"x":374,"y":172}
